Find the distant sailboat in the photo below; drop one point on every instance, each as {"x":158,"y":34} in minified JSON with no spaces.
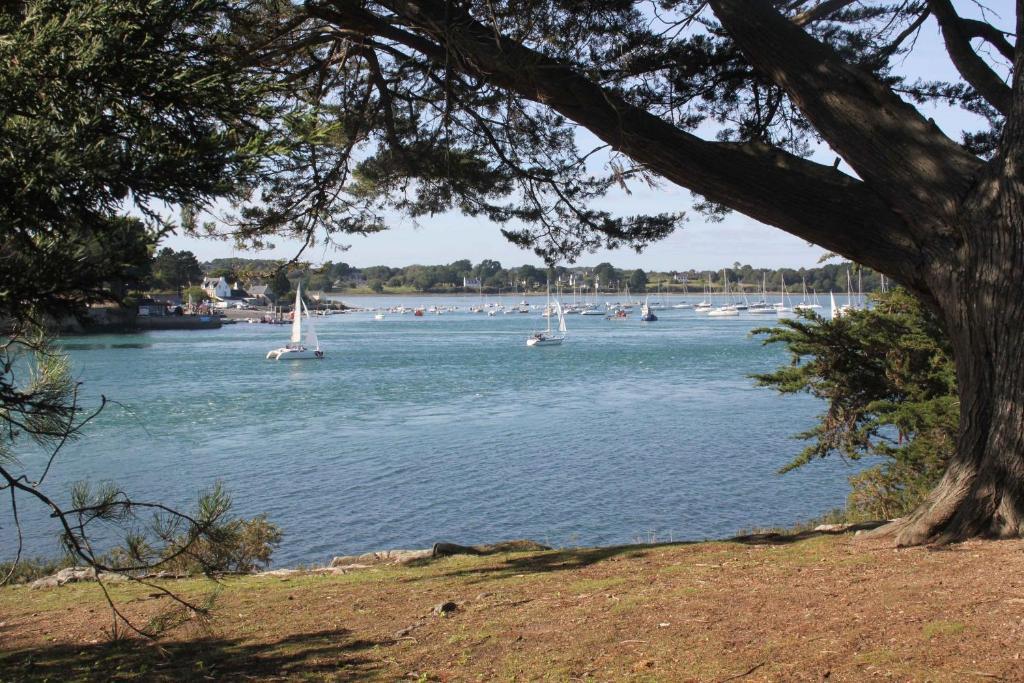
{"x":646,"y":314}
{"x":547,"y":337}
{"x":849,"y":305}
{"x":762,"y":307}
{"x":705,"y":306}
{"x":595,"y":308}
{"x":725,"y":310}
{"x":805,"y":304}
{"x":297,"y":347}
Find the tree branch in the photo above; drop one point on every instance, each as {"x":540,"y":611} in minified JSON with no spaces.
{"x":810,"y":200}
{"x":972,"y":67}
{"x":972,"y":28}
{"x":902,"y":156}
{"x":820,"y":11}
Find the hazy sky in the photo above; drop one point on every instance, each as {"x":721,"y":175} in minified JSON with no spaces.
{"x":449,"y":237}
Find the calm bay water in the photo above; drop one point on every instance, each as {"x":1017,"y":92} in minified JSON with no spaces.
{"x":415,"y":430}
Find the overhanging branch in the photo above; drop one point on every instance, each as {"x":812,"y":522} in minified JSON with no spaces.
{"x":903,"y":157}
{"x":972,"y":67}
{"x":810,"y":200}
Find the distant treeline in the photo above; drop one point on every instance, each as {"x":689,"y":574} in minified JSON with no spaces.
{"x":493,"y":277}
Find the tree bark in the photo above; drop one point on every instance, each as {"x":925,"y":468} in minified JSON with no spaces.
{"x":982,"y":491}
{"x":979,"y":293}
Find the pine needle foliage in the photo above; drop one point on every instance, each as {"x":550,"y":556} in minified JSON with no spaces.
{"x":887,"y":377}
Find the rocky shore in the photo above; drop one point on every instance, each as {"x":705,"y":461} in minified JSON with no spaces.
{"x":338,"y":565}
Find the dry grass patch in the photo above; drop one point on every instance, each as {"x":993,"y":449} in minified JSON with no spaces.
{"x":781,"y":608}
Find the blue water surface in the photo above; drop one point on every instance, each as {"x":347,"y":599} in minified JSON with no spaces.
{"x":447,"y":427}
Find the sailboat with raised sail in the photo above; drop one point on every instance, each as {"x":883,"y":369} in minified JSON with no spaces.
{"x":705,"y":305}
{"x":299,"y":348}
{"x":646,"y":314}
{"x":781,"y":308}
{"x":806,"y":304}
{"x":762,"y":307}
{"x":548,"y":337}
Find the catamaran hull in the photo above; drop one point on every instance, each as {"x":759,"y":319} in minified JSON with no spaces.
{"x":544,"y":342}
{"x":295,"y":354}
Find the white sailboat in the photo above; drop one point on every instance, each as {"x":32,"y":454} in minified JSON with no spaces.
{"x":849,"y":305}
{"x":596,"y":308}
{"x":781,"y":308}
{"x":547,"y":337}
{"x":299,"y":348}
{"x":705,"y":305}
{"x":762,"y":307}
{"x":805,"y":304}
{"x":725,"y":310}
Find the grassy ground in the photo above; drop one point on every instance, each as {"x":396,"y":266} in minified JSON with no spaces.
{"x":806,"y":607}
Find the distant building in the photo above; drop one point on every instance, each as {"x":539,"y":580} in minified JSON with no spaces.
{"x":258,"y":295}
{"x":149,"y":307}
{"x":216,"y":288}
{"x":224,"y":295}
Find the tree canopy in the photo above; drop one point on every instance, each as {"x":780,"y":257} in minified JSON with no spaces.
{"x":175,"y":270}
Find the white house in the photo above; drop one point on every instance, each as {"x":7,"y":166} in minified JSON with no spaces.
{"x":217,"y":287}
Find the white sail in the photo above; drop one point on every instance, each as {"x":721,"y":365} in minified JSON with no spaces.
{"x":832,"y":300}
{"x":561,"y":317}
{"x":311,"y":339}
{"x":297,"y":316}
{"x":296,"y":349}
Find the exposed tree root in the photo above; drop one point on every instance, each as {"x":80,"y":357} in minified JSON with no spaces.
{"x":962,"y":506}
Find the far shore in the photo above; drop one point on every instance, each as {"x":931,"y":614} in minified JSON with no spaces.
{"x":342,"y":295}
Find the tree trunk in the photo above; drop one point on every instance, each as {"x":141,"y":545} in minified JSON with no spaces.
{"x":980,"y":296}
{"x":981,"y":300}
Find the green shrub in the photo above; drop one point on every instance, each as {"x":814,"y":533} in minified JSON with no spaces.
{"x":888,"y":380}
{"x":240,"y":545}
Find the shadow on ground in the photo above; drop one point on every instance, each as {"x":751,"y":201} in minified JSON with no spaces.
{"x":306,"y":655}
{"x":784,"y":538}
{"x":578,"y":558}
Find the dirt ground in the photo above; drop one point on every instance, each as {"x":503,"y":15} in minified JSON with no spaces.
{"x":797,"y":608}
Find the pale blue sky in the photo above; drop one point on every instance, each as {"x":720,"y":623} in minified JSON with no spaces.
{"x":449,"y":237}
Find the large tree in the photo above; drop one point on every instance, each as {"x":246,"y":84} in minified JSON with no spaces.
{"x":176,"y":269}
{"x":476,"y":104}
